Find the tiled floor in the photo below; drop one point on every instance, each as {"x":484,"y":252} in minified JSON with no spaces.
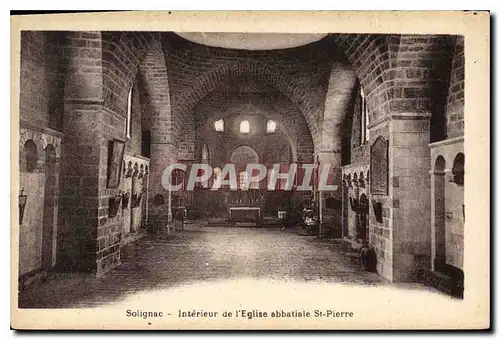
{"x":201,"y":254}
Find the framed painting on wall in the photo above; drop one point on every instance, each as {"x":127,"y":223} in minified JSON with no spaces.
{"x":115,"y":160}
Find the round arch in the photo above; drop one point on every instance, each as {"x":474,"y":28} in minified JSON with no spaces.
{"x":293,"y":126}
{"x":270,"y":76}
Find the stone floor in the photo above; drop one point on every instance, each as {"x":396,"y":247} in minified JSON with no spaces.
{"x":203,"y":254}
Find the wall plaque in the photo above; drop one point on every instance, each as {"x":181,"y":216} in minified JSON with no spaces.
{"x":115,"y":161}
{"x":379,"y":166}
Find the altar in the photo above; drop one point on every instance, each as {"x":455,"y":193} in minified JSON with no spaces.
{"x":244,"y":216}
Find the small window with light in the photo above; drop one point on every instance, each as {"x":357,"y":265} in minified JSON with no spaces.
{"x":128,"y":123}
{"x":219,"y":125}
{"x":271,"y":126}
{"x":245,"y":126}
{"x":365,"y":119}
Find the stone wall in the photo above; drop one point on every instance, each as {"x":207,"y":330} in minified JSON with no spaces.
{"x":381,"y":231}
{"x":34,"y":79}
{"x":455,"y":102}
{"x":39,"y":181}
{"x":301,"y":74}
{"x":447,"y":202}
{"x":78,"y":83}
{"x":400,"y":73}
{"x":359,"y":151}
{"x":410,"y":87}
{"x":122,"y":55}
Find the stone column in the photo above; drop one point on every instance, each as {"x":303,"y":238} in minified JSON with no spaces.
{"x":79,"y":213}
{"x":154,"y":82}
{"x":437,"y":216}
{"x":329,"y":163}
{"x":409,"y":161}
{"x":160,"y":215}
{"x":145,"y":196}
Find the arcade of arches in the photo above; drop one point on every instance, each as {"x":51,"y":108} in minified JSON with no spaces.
{"x":386,"y":113}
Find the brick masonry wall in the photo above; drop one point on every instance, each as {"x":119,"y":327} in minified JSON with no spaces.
{"x":400,"y":73}
{"x":448,"y":201}
{"x":33,"y":79}
{"x":122,"y":55}
{"x":455,"y":100}
{"x":370,"y":56}
{"x":38,"y":230}
{"x":342,"y":87}
{"x":96,"y":71}
{"x":37,"y":83}
{"x":380,"y":233}
{"x":41,"y":79}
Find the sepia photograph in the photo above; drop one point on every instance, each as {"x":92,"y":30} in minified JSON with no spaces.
{"x":175,"y":177}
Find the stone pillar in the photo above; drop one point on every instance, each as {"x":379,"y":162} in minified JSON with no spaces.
{"x":438,"y":241}
{"x":160,"y":215}
{"x":409,"y":165}
{"x":145,"y":196}
{"x":79,"y":215}
{"x":154,"y":82}
{"x":329,"y":218}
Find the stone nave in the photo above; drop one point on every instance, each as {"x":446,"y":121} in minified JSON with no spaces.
{"x":102,"y":114}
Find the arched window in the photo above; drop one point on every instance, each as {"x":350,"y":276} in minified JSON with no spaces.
{"x":271,"y":126}
{"x":219,"y":125}
{"x":365,"y":119}
{"x":245,"y":126}
{"x":128,"y":124}
{"x":205,"y":156}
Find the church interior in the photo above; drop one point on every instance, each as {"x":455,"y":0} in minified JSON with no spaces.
{"x":103,"y":113}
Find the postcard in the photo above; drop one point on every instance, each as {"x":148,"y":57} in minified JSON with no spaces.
{"x":250,"y":170}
